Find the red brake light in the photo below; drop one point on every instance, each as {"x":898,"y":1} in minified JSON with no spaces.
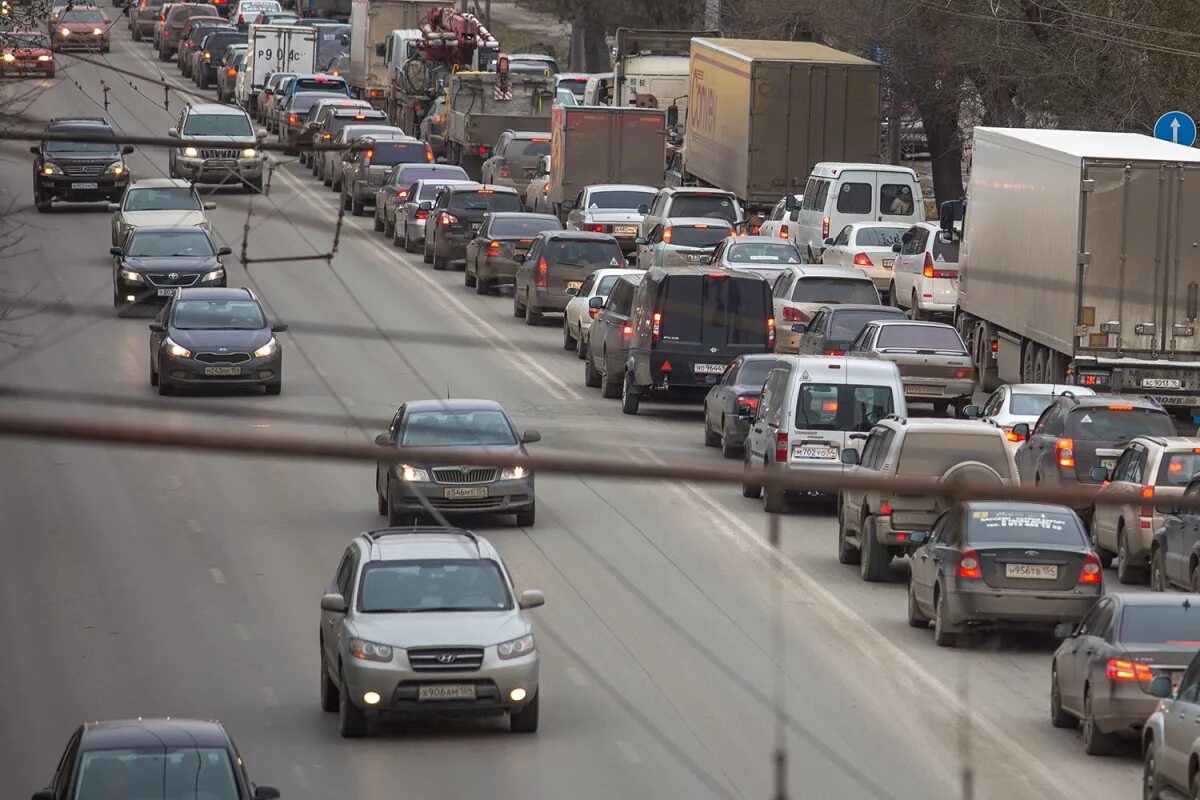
{"x":437,"y":118}
{"x":781,"y":447}
{"x":930,"y":271}
{"x":793,"y":314}
{"x":824,"y":228}
{"x":421,"y":214}
{"x":835,"y":352}
{"x":862,"y":260}
{"x":542,"y":270}
{"x":293,"y":120}
{"x":1118,"y":670}
{"x":965,"y":372}
{"x":504,"y":173}
{"x":627,"y":332}
{"x":493,"y":248}
{"x":747,"y":403}
{"x":594,"y":228}
{"x":374,"y":93}
{"x":447,"y":219}
{"x":885,"y":508}
{"x":483,"y":151}
{"x":667,"y":235}
{"x":231,"y":72}
{"x":241,"y":18}
{"x":1012,"y":437}
{"x":1091,"y":572}
{"x":1120,"y":408}
{"x":656,"y":327}
{"x":968,"y":565}
{"x":428,"y":154}
{"x":700,"y":225}
{"x":770,"y":333}
{"x":487,"y":191}
{"x":1064,"y":452}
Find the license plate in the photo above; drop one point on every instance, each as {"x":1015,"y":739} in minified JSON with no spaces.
{"x":817,"y":453}
{"x":708,"y":369}
{"x":465,"y":691}
{"x":574,"y":284}
{"x":222,"y":370}
{"x":1108,"y":463}
{"x":90,"y":185}
{"x":625,"y":230}
{"x":937,"y":390}
{"x":167,"y":292}
{"x":465,"y":491}
{"x":1042,"y":572}
{"x":694,"y":257}
{"x":888,"y":262}
{"x":1162,"y":383}
{"x":529,"y":172}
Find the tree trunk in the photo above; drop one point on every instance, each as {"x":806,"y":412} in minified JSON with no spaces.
{"x":945,"y":149}
{"x":589,"y":48}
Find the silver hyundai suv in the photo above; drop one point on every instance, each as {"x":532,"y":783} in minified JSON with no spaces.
{"x":426,"y":620}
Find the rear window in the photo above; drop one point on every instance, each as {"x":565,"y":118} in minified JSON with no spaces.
{"x":845,"y":325}
{"x":1034,"y":527}
{"x":619,"y":199}
{"x":854,"y":198}
{"x":484,"y":200}
{"x":831,"y":407}
{"x":754,"y":373}
{"x":751,"y":253}
{"x":1161,"y":624}
{"x":835,"y":290}
{"x":219,"y":41}
{"x":1030,"y":405}
{"x":606,"y":283}
{"x":582,"y":252}
{"x":714,"y":309}
{"x":930,"y":453}
{"x":879,"y":237}
{"x":317,"y":84}
{"x":1114,"y":423}
{"x":1178,"y":469}
{"x":896,"y":200}
{"x":523,"y":226}
{"x":389,"y":154}
{"x":943,"y":252}
{"x":409,"y":175}
{"x":704,"y":205}
{"x":688,"y":236}
{"x":334,"y":124}
{"x":429,"y":191}
{"x":529,"y":148}
{"x":919,"y":337}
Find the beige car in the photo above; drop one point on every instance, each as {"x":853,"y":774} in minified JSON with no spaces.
{"x":1157,"y":469}
{"x":514,"y":160}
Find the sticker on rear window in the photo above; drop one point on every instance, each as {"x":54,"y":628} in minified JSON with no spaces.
{"x":613,"y":262}
{"x":980,"y":515}
{"x":1010,"y":521}
{"x":1086,"y":418}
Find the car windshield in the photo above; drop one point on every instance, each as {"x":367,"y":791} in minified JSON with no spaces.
{"x":846,"y":325}
{"x":835,"y":290}
{"x":743,"y":252}
{"x":389,"y":154}
{"x":444,"y":584}
{"x":528,"y":148}
{"x":217,"y":125}
{"x":930,"y":453}
{"x":222,"y":315}
{"x":26,"y":40}
{"x":754,"y":373}
{"x":716,"y":206}
{"x":919,"y":337}
{"x":583,"y":252}
{"x":332,"y":41}
{"x":457,"y":428}
{"x":833,"y":407}
{"x":83,"y":148}
{"x":1029,"y":405}
{"x":1170,"y":624}
{"x":152,"y":772}
{"x":165,"y":199}
{"x":1178,"y":468}
{"x":1118,"y":422}
{"x":1025,"y":526}
{"x":523,"y":226}
{"x":82,"y":15}
{"x":619,"y":199}
{"x":882,"y":236}
{"x":161,"y":244}
{"x":693,"y":236}
{"x":485,"y":200}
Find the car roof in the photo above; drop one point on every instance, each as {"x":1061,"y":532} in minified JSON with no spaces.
{"x":154,"y":733}
{"x":1094,"y":400}
{"x":1048,"y":388}
{"x":474,"y":186}
{"x":891,"y":311}
{"x":1013,"y":506}
{"x":1171,"y":442}
{"x":217,"y":109}
{"x":694,"y":190}
{"x":711,"y":222}
{"x":520,"y":215}
{"x":215,"y":293}
{"x":944,"y":424}
{"x":454,"y":404}
{"x":620,"y":272}
{"x":1154,"y":598}
{"x":442,"y":182}
{"x":847,"y":369}
{"x":860,"y":225}
{"x":532,"y":56}
{"x":528,"y":134}
{"x":425,"y":541}
{"x":909,"y":323}
{"x":822,"y":271}
{"x":831,"y":169}
{"x":703,"y":269}
{"x":141,"y":229}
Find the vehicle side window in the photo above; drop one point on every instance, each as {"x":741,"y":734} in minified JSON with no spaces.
{"x":1189,"y":685}
{"x":655,"y":235}
{"x":535,"y":250}
{"x":922,"y":240}
{"x":62,"y":776}
{"x":908,"y":242}
{"x":823,"y":194}
{"x":579,"y":200}
{"x":843,"y":238}
{"x":784,"y":284}
{"x":992,"y":405}
{"x":585,"y":289}
{"x":860,"y":342}
{"x":820,"y":323}
{"x":872,"y":446}
{"x":729,"y":377}
{"x":483,"y":227}
{"x":772,"y":392}
{"x":854,"y":198}
{"x":1044,"y":419}
{"x":345,"y":573}
{"x":938,"y":532}
{"x":1122,"y":470}
{"x":442,"y":200}
{"x":885,"y":446}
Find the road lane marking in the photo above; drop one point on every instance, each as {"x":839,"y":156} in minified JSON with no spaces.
{"x":217,"y":575}
{"x":195,"y":526}
{"x":629,"y":751}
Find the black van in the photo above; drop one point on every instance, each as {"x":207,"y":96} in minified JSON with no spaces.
{"x":689,"y":323}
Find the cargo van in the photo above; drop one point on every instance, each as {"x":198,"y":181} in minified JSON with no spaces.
{"x":838,"y":194}
{"x":812,"y":408}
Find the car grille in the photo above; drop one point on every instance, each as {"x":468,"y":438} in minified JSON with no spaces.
{"x":445,"y":659}
{"x":165,"y":279}
{"x":83,"y":170}
{"x":209,"y":152}
{"x":465,"y":474}
{"x":222,"y":358}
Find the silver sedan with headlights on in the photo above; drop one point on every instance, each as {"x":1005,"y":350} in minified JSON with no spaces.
{"x":426,"y":621}
{"x":405,"y":492}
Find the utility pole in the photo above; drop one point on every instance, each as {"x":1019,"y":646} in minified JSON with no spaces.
{"x":712,"y":15}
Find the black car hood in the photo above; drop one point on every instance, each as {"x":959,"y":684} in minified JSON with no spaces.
{"x":186,"y":264}
{"x":210,"y":339}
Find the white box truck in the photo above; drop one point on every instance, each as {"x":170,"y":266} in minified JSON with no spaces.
{"x":1079,"y":262}
{"x":274,"y":48}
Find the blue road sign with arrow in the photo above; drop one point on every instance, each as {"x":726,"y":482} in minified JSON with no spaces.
{"x":1177,"y":127}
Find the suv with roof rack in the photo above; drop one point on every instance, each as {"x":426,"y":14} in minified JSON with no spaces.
{"x":426,"y":620}
{"x":78,"y":172}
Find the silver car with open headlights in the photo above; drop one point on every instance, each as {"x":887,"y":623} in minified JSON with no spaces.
{"x":242,"y":164}
{"x":426,"y":621}
{"x":406,"y":492}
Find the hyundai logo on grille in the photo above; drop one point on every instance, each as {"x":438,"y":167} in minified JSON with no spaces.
{"x":447,"y":658}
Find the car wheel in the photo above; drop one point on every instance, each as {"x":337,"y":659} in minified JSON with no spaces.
{"x":526,"y":519}
{"x":42,"y":204}
{"x":631,"y":398}
{"x":468,"y":278}
{"x":1194,"y":583}
{"x":1194,"y":792}
{"x":728,"y":450}
{"x":774,"y":500}
{"x":389,"y":228}
{"x":1150,"y":783}
{"x":337,"y":186}
{"x":1095,"y":742}
{"x":1059,"y":717}
{"x":331,"y":698}
{"x":137,"y":34}
{"x":532,"y":315}
{"x":916,"y":310}
{"x":482,"y":285}
{"x":409,"y":247}
{"x":312,"y":165}
{"x":357,"y":207}
{"x":939,"y":408}
{"x":381,"y":503}
{"x":254,"y":185}
{"x":274,"y":388}
{"x":847,"y":553}
{"x":915,"y":618}
{"x":202,"y":82}
{"x":379,"y":226}
{"x":942,"y":637}
{"x":153,"y":377}
{"x":609,"y":389}
{"x":569,"y":341}
{"x":165,"y":388}
{"x":873,"y":566}
{"x":525,"y":720}
{"x":518,"y":309}
{"x":352,"y":722}
{"x":438,"y":261}
{"x":428,"y":252}
{"x":591,"y":378}
{"x":711,"y":439}
{"x":1126,"y":572}
{"x":1158,"y":571}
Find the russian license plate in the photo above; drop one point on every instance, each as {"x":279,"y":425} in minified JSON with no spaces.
{"x":694,"y":256}
{"x":465,"y":492}
{"x":888,"y":262}
{"x":167,"y":292}
{"x":625,"y":230}
{"x":222,"y":370}
{"x":1162,"y":383}
{"x":708,"y":369}
{"x":454,"y":691}
{"x":89,"y":185}
{"x":1041,"y":572}
{"x":574,"y":284}
{"x":815,"y":452}
{"x":932,"y":390}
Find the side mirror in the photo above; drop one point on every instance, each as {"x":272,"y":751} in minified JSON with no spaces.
{"x":642,"y":209}
{"x":1160,"y":686}
{"x":828,"y":242}
{"x":114,"y":206}
{"x":382,"y":440}
{"x":596,"y":302}
{"x":381,"y":49}
{"x":850,"y":456}
{"x":529,"y":437}
{"x":1065,"y":630}
{"x":224,"y":251}
{"x":279,"y":327}
{"x":1099,"y":474}
{"x":972,"y":411}
{"x":116,"y":251}
{"x":210,"y":206}
{"x":706,"y":259}
{"x":333,"y":602}
{"x":173,"y":133}
{"x":425,"y":205}
{"x":127,"y":149}
{"x":36,"y":151}
{"x":266,"y":793}
{"x":157,"y":327}
{"x":1021,"y":429}
{"x":532,"y":598}
{"x":639,"y":241}
{"x":791,"y":203}
{"x":918,"y":537}
{"x":572,"y":290}
{"x":519,"y":258}
{"x":895,"y":248}
{"x":800,"y":327}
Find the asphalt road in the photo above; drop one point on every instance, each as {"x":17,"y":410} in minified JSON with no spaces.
{"x":139,"y":583}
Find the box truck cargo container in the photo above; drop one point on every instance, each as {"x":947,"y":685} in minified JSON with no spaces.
{"x":275,"y":48}
{"x":371,"y":22}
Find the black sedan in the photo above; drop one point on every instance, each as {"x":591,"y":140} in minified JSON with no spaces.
{"x":730,"y":405}
{"x":153,"y":759}
{"x":215,"y":337}
{"x":156,"y":262}
{"x":1011,"y":564}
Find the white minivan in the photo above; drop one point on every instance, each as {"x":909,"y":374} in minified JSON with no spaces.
{"x":813,"y":407}
{"x":838,"y":194}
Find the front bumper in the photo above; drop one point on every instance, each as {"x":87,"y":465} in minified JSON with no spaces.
{"x":79,"y":42}
{"x":190,"y":372}
{"x":219,"y":170}
{"x":892,"y":531}
{"x":501,"y":497}
{"x":925,"y":390}
{"x":145,"y":292}
{"x":83,"y":189}
{"x":26,"y":66}
{"x":1018,"y":606}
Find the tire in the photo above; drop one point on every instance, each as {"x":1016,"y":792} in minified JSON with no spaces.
{"x":439,"y":263}
{"x":518,"y":309}
{"x":381,"y":503}
{"x":1127,"y":573}
{"x":915,"y":618}
{"x":469,"y":280}
{"x":774,"y":500}
{"x":345,"y":200}
{"x":1194,"y":791}
{"x":847,"y":553}
{"x":202,"y":79}
{"x":428,"y":252}
{"x":526,"y":519}
{"x":941,"y":636}
{"x":336,"y":186}
{"x":710,"y":439}
{"x":916,"y":310}
{"x":939,"y":408}
{"x":1194,"y":582}
{"x":525,"y":720}
{"x":1095,"y":743}
{"x":357,"y":207}
{"x":254,"y":185}
{"x":892,"y":295}
{"x":389,"y":229}
{"x":608,"y":389}
{"x":137,"y":33}
{"x":275,"y":389}
{"x":591,"y":378}
{"x":532,"y":315}
{"x":352,"y":722}
{"x":1158,"y":571}
{"x":1059,"y":717}
{"x":482,"y":285}
{"x":1150,"y":782}
{"x":408,"y":245}
{"x":875,"y":559}
{"x":569,"y":341}
{"x":165,"y":388}
{"x":379,"y":226}
{"x":153,"y":377}
{"x":331,"y":698}
{"x":580,"y":347}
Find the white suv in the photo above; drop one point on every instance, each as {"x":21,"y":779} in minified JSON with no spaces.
{"x":424,"y":621}
{"x":925,"y":275}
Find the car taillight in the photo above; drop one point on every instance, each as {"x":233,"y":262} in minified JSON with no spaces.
{"x":328,"y":136}
{"x":428,"y":154}
{"x":968,"y":565}
{"x":493,"y":248}
{"x":747,"y":403}
{"x":293,"y":120}
{"x":793,"y":314}
{"x":504,"y":173}
{"x":783,"y":233}
{"x":770,"y":333}
{"x":594,"y":228}
{"x":781,"y":446}
{"x":437,"y":118}
{"x":401,"y":194}
{"x":862,"y":260}
{"x":964,"y":373}
{"x":835,"y":352}
{"x":1064,"y":452}
{"x":483,"y":151}
{"x":656,"y":327}
{"x":1118,"y":670}
{"x":931,"y":272}
{"x":1091,"y":571}
{"x":1146,"y":511}
{"x":824,"y":228}
{"x":542,"y":270}
{"x":447,"y":219}
{"x":545,"y":189}
{"x":667,"y":234}
{"x":885,"y":508}
{"x":626,"y":333}
{"x":241,"y":19}
{"x":421,"y":214}
{"x":1012,"y":437}
{"x":231,"y":72}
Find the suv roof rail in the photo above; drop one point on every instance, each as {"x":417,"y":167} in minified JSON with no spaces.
{"x":378,"y":533}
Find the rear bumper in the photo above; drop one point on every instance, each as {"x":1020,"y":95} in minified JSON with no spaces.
{"x":497,"y":269}
{"x":1121,"y":707}
{"x":1018,"y":606}
{"x":888,"y":530}
{"x":543,"y":300}
{"x":918,"y":390}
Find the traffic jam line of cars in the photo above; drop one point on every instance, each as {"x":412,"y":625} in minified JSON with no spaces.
{"x":806,"y":345}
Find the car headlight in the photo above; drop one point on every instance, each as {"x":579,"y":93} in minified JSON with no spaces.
{"x":408,"y":473}
{"x":370,"y":651}
{"x":268,"y":348}
{"x":51,"y":169}
{"x":115,"y":168}
{"x":190,"y":152}
{"x":45,"y":58}
{"x":513,"y":473}
{"x":65,"y":32}
{"x":132,"y":277}
{"x":97,"y":31}
{"x":216,"y":275}
{"x":249,"y":152}
{"x":516,"y":647}
{"x":175,"y":349}
{"x":9,"y":57}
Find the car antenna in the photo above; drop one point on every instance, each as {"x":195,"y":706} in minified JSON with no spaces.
{"x":447,"y":390}
{"x":1186,"y":605}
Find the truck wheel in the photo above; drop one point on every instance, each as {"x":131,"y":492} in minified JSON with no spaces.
{"x":847,"y":553}
{"x":1158,"y":571}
